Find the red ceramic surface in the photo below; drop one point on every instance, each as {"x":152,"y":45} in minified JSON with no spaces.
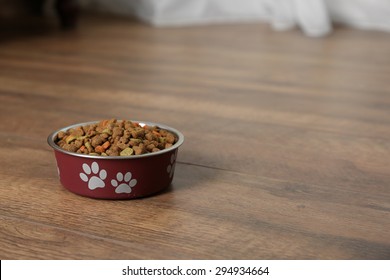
{"x":116,"y":177}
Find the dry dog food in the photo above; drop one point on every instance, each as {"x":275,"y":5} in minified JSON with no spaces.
{"x":115,"y":138}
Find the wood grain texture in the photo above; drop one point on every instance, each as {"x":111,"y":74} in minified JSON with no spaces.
{"x":287,"y":150}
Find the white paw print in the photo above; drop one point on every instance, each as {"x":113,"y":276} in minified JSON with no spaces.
{"x":125,"y":183}
{"x":171,"y":166}
{"x":93,"y":176}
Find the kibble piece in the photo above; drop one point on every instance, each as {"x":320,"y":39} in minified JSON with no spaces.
{"x":78,"y":131}
{"x":99,"y":149}
{"x":134,"y":142}
{"x":122,"y":144}
{"x":70,"y":147}
{"x":70,"y":138}
{"x":150,"y":147}
{"x":88,"y":146}
{"x":138,"y":132}
{"x":117,"y":131}
{"x":78,"y":143}
{"x":139,"y":150}
{"x":171,"y":138}
{"x":61,"y":135}
{"x":150,"y":136}
{"x":97,"y":140}
{"x":106,"y":145}
{"x":113,"y":151}
{"x":127,"y":152}
{"x":107,"y":131}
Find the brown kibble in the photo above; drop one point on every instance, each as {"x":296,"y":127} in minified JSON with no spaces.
{"x":114,"y":138}
{"x":138,"y":132}
{"x":128,"y":125}
{"x":113,"y":151}
{"x":78,"y":131}
{"x":61,"y":135}
{"x":150,"y":147}
{"x":70,"y":147}
{"x":163,"y":132}
{"x":126,"y":134}
{"x":117,"y":131}
{"x":161,"y":146}
{"x":122,"y":144}
{"x":171,"y":138}
{"x":78,"y":143}
{"x":150,"y":136}
{"x":91,"y":131}
{"x":139,"y":150}
{"x":134,"y":142}
{"x":104,"y":135}
{"x":97,"y":140}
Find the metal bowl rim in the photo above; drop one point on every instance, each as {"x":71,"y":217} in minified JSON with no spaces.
{"x":50,"y":141}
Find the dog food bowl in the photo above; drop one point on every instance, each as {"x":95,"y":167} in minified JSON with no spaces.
{"x":116,"y":177}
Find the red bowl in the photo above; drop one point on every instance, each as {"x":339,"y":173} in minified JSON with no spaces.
{"x":116,"y":177}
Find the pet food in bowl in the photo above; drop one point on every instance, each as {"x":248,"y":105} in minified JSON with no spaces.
{"x":114,"y":159}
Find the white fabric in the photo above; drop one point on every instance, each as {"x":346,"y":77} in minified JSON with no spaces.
{"x":314,"y":17}
{"x":365,"y":14}
{"x":310,"y":15}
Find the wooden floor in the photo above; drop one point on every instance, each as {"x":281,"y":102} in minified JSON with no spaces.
{"x":286,"y":153}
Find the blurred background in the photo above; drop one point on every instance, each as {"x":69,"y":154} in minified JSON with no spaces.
{"x":314,"y":17}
